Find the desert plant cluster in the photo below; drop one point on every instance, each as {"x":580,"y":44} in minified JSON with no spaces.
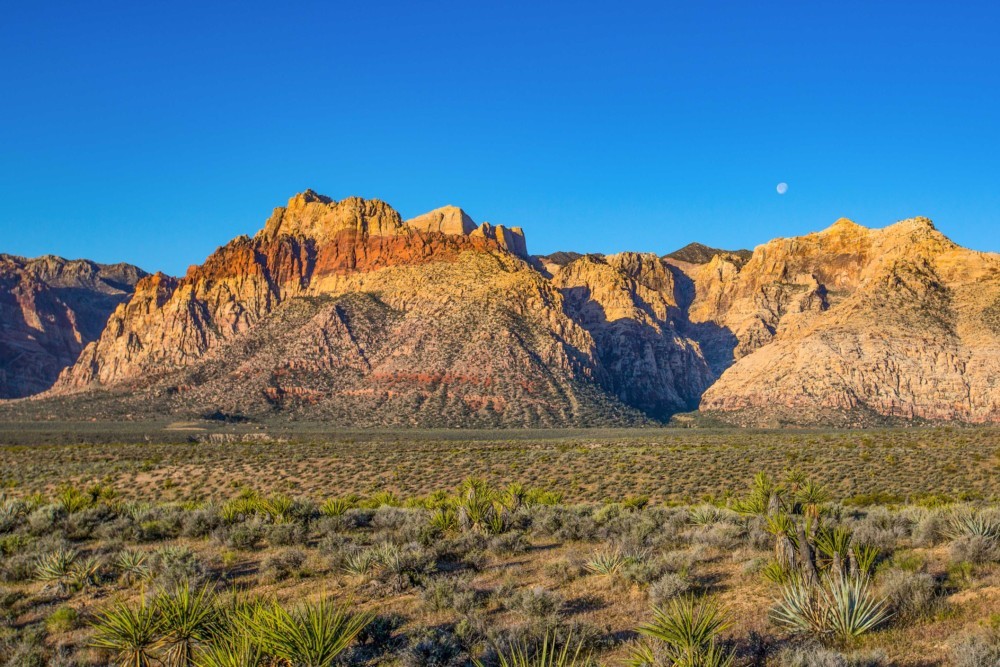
{"x":782,"y":573}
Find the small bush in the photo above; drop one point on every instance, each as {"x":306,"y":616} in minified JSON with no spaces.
{"x":909,"y":595}
{"x":818,"y":656}
{"x":286,"y":534}
{"x":977,"y":651}
{"x":667,"y":587}
{"x":538,"y":604}
{"x":974,"y":549}
{"x":438,"y":648}
{"x":244,"y":536}
{"x":284,"y":565}
{"x":62,"y":619}
{"x":565,"y":570}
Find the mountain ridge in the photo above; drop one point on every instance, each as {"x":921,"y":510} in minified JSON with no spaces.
{"x":438,"y":321}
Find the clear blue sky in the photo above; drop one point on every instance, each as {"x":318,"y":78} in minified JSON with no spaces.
{"x":154,"y":132}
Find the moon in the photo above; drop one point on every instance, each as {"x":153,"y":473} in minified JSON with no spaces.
{"x":782,"y":188}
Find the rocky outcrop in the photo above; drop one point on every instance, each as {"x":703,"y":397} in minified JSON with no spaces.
{"x":858,"y":325}
{"x":446,"y":220}
{"x":50,"y":308}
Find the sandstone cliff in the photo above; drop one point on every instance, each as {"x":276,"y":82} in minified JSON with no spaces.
{"x":855,"y":324}
{"x":50,"y":308}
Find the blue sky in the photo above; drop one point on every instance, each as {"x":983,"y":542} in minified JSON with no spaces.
{"x":154,"y":132}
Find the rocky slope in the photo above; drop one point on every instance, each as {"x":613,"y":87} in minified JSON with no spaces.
{"x":50,"y":308}
{"x":343,"y":311}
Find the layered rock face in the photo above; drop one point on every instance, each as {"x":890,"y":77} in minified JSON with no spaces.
{"x":628,"y":303}
{"x":343,"y":311}
{"x":50,"y":308}
{"x":851,"y":325}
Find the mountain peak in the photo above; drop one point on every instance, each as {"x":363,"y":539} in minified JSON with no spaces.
{"x":447,"y":220}
{"x":318,"y":217}
{"x":845,"y":224}
{"x":698,"y":253}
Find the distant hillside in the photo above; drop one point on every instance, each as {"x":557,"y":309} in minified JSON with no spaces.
{"x":50,"y":308}
{"x":696,"y":253}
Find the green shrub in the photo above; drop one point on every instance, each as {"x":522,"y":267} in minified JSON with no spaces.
{"x":63,"y":619}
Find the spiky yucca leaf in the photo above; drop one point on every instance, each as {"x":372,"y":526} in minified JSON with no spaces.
{"x":687,"y":623}
{"x":187,"y":619}
{"x":974,"y":524}
{"x":839,"y":606}
{"x":607,"y":562}
{"x":336,"y":507}
{"x":853,"y":609}
{"x":360,"y":563}
{"x":56,"y":567}
{"x":865,"y":556}
{"x":444,"y":519}
{"x":85,"y":572}
{"x":549,"y":655}
{"x":129,"y":633}
{"x":131,"y":566}
{"x":775,"y":572}
{"x":311,"y":636}
{"x":801,"y":609}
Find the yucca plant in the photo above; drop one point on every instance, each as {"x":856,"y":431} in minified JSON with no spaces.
{"x":514,"y":496}
{"x":279,"y":508}
{"x":360,"y":563}
{"x":607,"y":562}
{"x":444,"y":519}
{"x":973,"y":524}
{"x":311,"y":636}
{"x":85,"y":572}
{"x":497,"y":521}
{"x":572,"y":654}
{"x":72,"y":499}
{"x":853,"y":609}
{"x":543,"y":497}
{"x":834,"y":544}
{"x":703,"y":515}
{"x":335,"y":507}
{"x":129,"y":633}
{"x":801,"y":609}
{"x":131,"y":566}
{"x":689,"y":628}
{"x":774,"y":572}
{"x":841,"y":607}
{"x":784,"y":529}
{"x":234,"y":643}
{"x":865,"y":556}
{"x":383,"y":499}
{"x":187,"y":619}
{"x":231,"y":650}
{"x":56,"y":567}
{"x":765,"y":497}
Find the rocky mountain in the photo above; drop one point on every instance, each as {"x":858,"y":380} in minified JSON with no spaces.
{"x":50,"y":308}
{"x":696,"y":253}
{"x":343,"y":311}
